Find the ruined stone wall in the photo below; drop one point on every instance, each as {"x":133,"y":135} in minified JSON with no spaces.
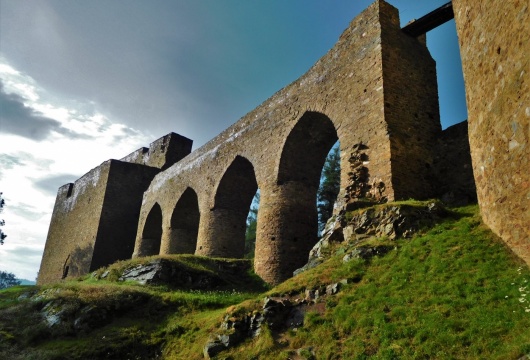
{"x":161,"y":153}
{"x":494,"y":38}
{"x":120,"y":211}
{"x":74,"y":226}
{"x":281,"y":145}
{"x":411,"y":109}
{"x":95,"y":219}
{"x":454,"y":180}
{"x":375,"y":91}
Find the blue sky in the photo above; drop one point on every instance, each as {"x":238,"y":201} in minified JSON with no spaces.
{"x":84,"y":81}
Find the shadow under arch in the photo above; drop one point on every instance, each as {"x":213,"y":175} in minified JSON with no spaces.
{"x":288,"y":220}
{"x":231,"y":206}
{"x":152,"y":233}
{"x":305,"y":149}
{"x":184,"y":226}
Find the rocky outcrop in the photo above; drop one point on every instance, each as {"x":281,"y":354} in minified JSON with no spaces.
{"x":278,"y":314}
{"x":162,"y":271}
{"x":63,"y":314}
{"x":390,"y":221}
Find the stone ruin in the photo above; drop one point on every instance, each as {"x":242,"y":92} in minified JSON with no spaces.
{"x":376,"y":92}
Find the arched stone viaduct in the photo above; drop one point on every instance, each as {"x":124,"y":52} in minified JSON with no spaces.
{"x":375,"y":91}
{"x":353,"y":94}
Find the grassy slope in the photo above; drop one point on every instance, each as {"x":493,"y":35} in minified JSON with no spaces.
{"x":454,"y":293}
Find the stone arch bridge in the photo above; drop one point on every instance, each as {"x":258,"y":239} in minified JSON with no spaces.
{"x":375,"y":91}
{"x":200,"y":204}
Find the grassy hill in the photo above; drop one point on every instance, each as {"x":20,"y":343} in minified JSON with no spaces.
{"x":454,"y":292}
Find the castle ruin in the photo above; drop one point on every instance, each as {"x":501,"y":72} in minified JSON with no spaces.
{"x":376,"y":92}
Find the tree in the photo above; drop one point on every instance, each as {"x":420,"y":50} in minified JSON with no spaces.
{"x":329,"y":187}
{"x":252,"y":222}
{"x":2,"y":222}
{"x":7,"y":280}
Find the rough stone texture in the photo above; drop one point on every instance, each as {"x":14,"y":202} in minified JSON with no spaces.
{"x":356,"y":227}
{"x":494,"y":38}
{"x":64,"y":315}
{"x":453,"y":169}
{"x":280,"y":148}
{"x":376,"y":92}
{"x":94,"y":220}
{"x":276,"y":314}
{"x":174,"y":274}
{"x":367,"y":252}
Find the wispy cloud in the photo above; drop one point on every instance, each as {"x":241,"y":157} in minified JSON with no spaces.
{"x":19,"y":119}
{"x":46,"y":142}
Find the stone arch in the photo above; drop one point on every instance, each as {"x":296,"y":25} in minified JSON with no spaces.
{"x":152,"y":233}
{"x":287,"y":220}
{"x":222,"y":233}
{"x":305,"y":149}
{"x":184,"y":225}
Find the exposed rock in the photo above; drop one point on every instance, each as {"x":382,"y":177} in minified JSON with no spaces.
{"x":306,"y":353}
{"x":313,"y":262}
{"x":163,"y":271}
{"x":213,"y":348}
{"x":333,"y":289}
{"x":67,"y":315}
{"x":367,"y":252}
{"x":277,"y":314}
{"x":354,"y":228}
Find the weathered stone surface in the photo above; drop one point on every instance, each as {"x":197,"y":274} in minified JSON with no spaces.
{"x":172,"y":273}
{"x":277,"y":314}
{"x":391,"y":148}
{"x":391,"y":221}
{"x":68,"y":315}
{"x":280,"y":148}
{"x":367,"y":252}
{"x":495,"y":50}
{"x":452,"y":167}
{"x":95,"y":219}
{"x":213,"y":348}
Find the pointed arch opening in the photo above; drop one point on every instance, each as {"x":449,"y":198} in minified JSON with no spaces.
{"x":152,"y":232}
{"x":231,"y":207}
{"x":184,"y":224}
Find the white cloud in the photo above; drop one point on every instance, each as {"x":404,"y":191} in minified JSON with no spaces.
{"x":31,"y":168}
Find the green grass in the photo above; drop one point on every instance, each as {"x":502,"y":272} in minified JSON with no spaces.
{"x":452,"y":293}
{"x":455,"y":292}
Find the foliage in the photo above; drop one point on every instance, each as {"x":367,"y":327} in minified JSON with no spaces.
{"x":329,"y":186}
{"x":8,"y":280}
{"x":2,"y":222}
{"x":252,"y":222}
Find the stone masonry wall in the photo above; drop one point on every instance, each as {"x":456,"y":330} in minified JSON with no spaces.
{"x":494,"y":38}
{"x":454,"y":180}
{"x":375,"y":91}
{"x":95,"y":219}
{"x":73,"y":229}
{"x":120,"y":211}
{"x":161,"y":153}
{"x":281,"y":146}
{"x":411,"y":109}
